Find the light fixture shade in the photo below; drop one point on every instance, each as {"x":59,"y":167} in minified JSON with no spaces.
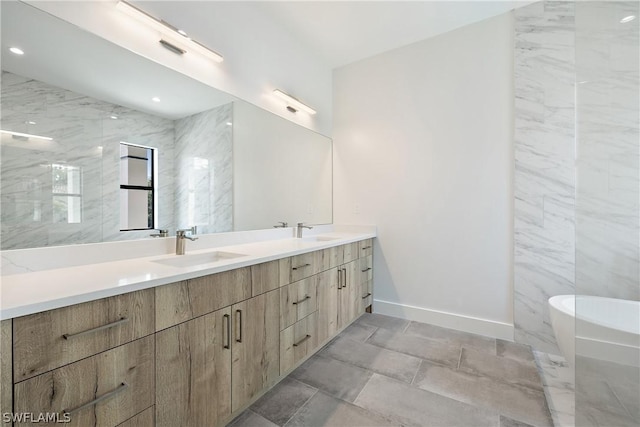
{"x":293,"y":102}
{"x":168,"y":32}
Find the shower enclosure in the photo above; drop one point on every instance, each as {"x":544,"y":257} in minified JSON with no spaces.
{"x":607,"y":201}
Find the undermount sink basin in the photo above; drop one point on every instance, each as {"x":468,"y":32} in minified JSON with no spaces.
{"x":198,"y":259}
{"x":319,"y":238}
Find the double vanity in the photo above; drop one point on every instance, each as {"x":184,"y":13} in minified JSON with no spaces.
{"x":173,"y":340}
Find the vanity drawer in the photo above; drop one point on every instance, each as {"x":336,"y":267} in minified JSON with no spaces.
{"x":48,"y":340}
{"x":364,"y":272}
{"x":298,"y":341}
{"x":302,"y":266}
{"x":328,"y":258}
{"x":297,"y":301}
{"x":365,"y":248}
{"x":366,"y":296}
{"x":182,"y":301}
{"x":102,"y":390}
{"x":350,"y":252}
{"x":265,"y":277}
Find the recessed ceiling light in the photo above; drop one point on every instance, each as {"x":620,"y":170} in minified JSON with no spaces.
{"x":114,"y":117}
{"x":30,"y":122}
{"x":181,"y":32}
{"x":627,"y":19}
{"x":16,"y":50}
{"x":155,"y":99}
{"x":229,"y":123}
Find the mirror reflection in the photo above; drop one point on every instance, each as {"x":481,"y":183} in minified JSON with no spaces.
{"x":99,"y":144}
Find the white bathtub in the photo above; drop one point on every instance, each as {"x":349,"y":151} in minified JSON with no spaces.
{"x":607,"y":328}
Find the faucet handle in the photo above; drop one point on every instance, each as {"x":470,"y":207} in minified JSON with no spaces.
{"x":282,"y":224}
{"x":192,"y":230}
{"x":301,"y":225}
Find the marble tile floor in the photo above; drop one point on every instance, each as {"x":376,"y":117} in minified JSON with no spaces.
{"x":384,"y":371}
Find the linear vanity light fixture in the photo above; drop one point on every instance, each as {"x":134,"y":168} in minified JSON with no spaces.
{"x":172,"y":38}
{"x":25,"y":135}
{"x":293,"y":104}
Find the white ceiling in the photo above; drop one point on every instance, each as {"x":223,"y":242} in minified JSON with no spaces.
{"x":339,"y":32}
{"x":342,"y":32}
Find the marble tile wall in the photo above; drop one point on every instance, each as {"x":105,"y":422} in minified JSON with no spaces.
{"x":544,"y":223}
{"x":85,"y":137}
{"x":204,"y":170}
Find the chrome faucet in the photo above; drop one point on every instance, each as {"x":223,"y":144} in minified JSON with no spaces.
{"x":299,"y":229}
{"x":281,"y":224}
{"x":181,"y":235}
{"x":163,"y":232}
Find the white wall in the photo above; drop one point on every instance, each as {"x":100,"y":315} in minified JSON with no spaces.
{"x":281,"y":172}
{"x":259,"y":55}
{"x":423,"y":149}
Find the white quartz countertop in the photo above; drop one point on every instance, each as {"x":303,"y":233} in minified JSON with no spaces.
{"x":37,"y":291}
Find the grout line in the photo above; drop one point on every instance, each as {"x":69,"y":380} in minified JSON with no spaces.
{"x":361,"y":390}
{"x":618,"y":399}
{"x":459,"y":358}
{"x":301,"y":406}
{"x":416,"y":373}
{"x":371,"y":334}
{"x":407,"y":327}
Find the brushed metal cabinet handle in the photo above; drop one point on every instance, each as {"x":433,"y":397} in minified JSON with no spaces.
{"x":306,"y":297}
{"x":239,"y":315}
{"x":344,"y":282}
{"x":366,"y":247}
{"x":108,"y":395}
{"x":367,"y":295}
{"x":366,"y":269}
{"x":227,"y":318}
{"x":339,"y":279}
{"x":302,"y":340}
{"x":122,"y":321}
{"x":300,"y":266}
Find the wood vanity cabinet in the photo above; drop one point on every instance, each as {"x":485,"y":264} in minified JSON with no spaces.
{"x":213,"y":365}
{"x":190,"y":353}
{"x":193,"y":371}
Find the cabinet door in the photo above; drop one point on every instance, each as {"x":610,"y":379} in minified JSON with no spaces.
{"x":327,"y":288}
{"x":193,"y":371}
{"x":255,"y":346}
{"x":6,"y":366}
{"x":348,"y":290}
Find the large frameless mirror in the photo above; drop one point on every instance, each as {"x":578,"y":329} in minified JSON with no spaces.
{"x":100,"y":144}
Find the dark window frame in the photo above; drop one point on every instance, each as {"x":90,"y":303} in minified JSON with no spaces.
{"x":151,"y":214}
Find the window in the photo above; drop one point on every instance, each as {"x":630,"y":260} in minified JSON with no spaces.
{"x":67,"y":194}
{"x":137,"y":187}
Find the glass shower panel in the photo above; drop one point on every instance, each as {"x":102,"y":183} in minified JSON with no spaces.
{"x":607,"y":214}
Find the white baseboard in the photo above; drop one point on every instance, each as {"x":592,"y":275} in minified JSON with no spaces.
{"x":459,"y":322}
